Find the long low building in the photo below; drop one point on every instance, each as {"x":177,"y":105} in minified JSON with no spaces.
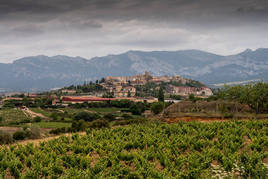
{"x":83,"y":99}
{"x":78,"y":99}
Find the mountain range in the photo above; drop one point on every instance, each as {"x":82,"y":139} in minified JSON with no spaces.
{"x":39,"y":73}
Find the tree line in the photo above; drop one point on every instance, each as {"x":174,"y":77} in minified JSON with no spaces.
{"x":254,"y":95}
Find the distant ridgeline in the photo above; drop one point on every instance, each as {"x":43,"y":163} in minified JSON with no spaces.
{"x":140,"y":85}
{"x":42,"y":73}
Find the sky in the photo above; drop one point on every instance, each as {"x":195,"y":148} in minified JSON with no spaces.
{"x":90,"y":28}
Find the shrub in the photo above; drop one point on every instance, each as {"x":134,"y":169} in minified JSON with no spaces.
{"x":176,"y":97}
{"x":228,"y":115}
{"x":127,"y":116}
{"x":37,"y":119}
{"x":137,"y":108}
{"x":99,"y":124}
{"x":25,"y":121}
{"x":33,"y":132}
{"x":54,"y":116}
{"x":1,"y":119}
{"x":19,"y":135}
{"x":79,"y":125}
{"x":156,"y":108}
{"x":125,"y":110}
{"x":109,"y":117}
{"x":5,"y":138}
{"x":88,"y":117}
{"x":192,"y":98}
{"x":60,"y":130}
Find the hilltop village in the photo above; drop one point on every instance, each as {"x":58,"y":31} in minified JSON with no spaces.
{"x":173,"y":85}
{"x":137,"y":88}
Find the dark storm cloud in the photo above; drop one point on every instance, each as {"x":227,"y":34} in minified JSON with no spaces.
{"x":72,"y":27}
{"x":254,"y":10}
{"x":131,"y":9}
{"x":30,"y":6}
{"x":92,"y":13}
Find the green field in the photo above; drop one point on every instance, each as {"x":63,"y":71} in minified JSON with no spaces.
{"x":44,"y":124}
{"x":151,"y":150}
{"x":73,"y":110}
{"x":12,"y":114}
{"x":52,"y":124}
{"x":41,"y":111}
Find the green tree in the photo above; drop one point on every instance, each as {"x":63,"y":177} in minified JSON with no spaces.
{"x":102,"y":80}
{"x":156,"y":108}
{"x":137,"y":108}
{"x":19,"y":135}
{"x":37,"y":119}
{"x":26,"y":101}
{"x":176,"y":97}
{"x":254,"y":95}
{"x":109,"y":117}
{"x":88,"y":117}
{"x":161,"y":96}
{"x":80,"y":125}
{"x":54,"y":116}
{"x":191,"y":97}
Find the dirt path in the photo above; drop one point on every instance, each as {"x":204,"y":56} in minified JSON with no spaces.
{"x":10,"y":130}
{"x":32,"y":114}
{"x":60,"y":110}
{"x":36,"y":142}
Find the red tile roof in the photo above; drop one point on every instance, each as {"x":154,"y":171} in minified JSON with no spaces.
{"x":85,"y":99}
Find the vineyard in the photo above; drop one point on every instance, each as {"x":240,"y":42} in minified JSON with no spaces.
{"x":152,"y":150}
{"x":11,"y":115}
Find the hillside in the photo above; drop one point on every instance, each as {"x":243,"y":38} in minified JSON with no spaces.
{"x":43,"y":73}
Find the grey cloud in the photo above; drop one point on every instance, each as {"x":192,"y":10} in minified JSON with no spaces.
{"x":254,"y":10}
{"x":79,"y":23}
{"x":71,"y":27}
{"x":131,"y":8}
{"x":14,"y":6}
{"x":151,"y":43}
{"x":28,"y":29}
{"x":89,"y":24}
